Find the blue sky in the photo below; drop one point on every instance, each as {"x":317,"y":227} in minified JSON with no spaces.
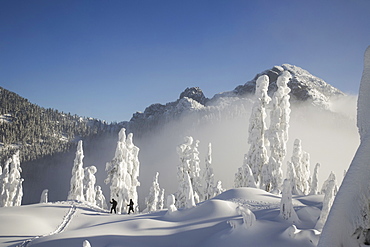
{"x":109,"y":59}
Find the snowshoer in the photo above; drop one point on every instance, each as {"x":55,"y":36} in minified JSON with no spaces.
{"x":114,"y":205}
{"x":131,"y":206}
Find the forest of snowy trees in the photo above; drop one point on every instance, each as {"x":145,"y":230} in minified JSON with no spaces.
{"x":37,"y":131}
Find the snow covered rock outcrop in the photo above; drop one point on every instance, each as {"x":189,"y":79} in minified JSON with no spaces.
{"x":348,"y":222}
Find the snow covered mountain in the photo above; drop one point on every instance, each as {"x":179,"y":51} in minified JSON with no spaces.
{"x":222,"y":120}
{"x":304,"y":86}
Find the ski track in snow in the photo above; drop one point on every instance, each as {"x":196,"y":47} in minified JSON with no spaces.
{"x":66,"y":220}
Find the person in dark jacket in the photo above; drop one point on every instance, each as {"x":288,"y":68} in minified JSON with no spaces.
{"x":114,"y":205}
{"x":131,"y":206}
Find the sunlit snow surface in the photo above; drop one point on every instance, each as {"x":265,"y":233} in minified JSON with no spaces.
{"x":207,"y":224}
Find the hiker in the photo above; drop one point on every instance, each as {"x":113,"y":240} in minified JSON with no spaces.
{"x":131,"y":206}
{"x":114,"y":205}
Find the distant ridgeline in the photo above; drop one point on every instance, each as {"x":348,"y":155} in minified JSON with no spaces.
{"x":38,"y":132}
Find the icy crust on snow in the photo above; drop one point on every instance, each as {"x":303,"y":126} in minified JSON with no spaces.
{"x":238,"y":217}
{"x":348,"y":221}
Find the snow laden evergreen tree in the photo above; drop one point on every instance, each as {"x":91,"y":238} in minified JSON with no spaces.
{"x":244,"y":177}
{"x":100,"y":198}
{"x":325,"y":185}
{"x":210,"y":189}
{"x":133,"y":166}
{"x":348,"y":222}
{"x":257,"y":155}
{"x":326,"y":205}
{"x":160,"y":204}
{"x":151,"y":201}
{"x":315,"y":180}
{"x":188,"y":166}
{"x":11,"y":183}
{"x":171,"y":204}
{"x":300,"y":162}
{"x":90,"y":179}
{"x":190,"y":202}
{"x":278,"y":133}
{"x":4,"y":179}
{"x":123,"y":172}
{"x":76,"y":191}
{"x":286,"y":204}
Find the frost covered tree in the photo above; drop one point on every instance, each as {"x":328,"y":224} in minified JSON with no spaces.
{"x":286,"y":204}
{"x":90,"y":179}
{"x":326,"y":184}
{"x":76,"y":191}
{"x":257,"y":154}
{"x":4,"y":179}
{"x":160,"y":204}
{"x":315,"y":180}
{"x":278,"y":133}
{"x":348,"y":221}
{"x":151,"y":201}
{"x":11,"y":183}
{"x":171,"y":204}
{"x":248,"y":216}
{"x":326,"y":205}
{"x":100,"y":198}
{"x":123,"y":172}
{"x":210,"y":189}
{"x":44,"y":196}
{"x":188,"y":166}
{"x":244,"y":177}
{"x":300,"y":161}
{"x":190,"y":202}
{"x":133,"y":166}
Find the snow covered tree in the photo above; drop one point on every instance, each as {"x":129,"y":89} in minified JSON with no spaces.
{"x":189,"y":165}
{"x":90,"y":179}
{"x":210,"y":189}
{"x":123,"y":172}
{"x":257,"y":154}
{"x":348,"y":221}
{"x":326,"y":205}
{"x":4,"y":179}
{"x":100,"y":198}
{"x":315,"y":180}
{"x":278,"y":133}
{"x":248,"y":216}
{"x":151,"y":201}
{"x":292,"y":178}
{"x":326,"y":184}
{"x":286,"y":204}
{"x":160,"y":204}
{"x":300,"y":161}
{"x":171,"y":204}
{"x":76,"y":190}
{"x":133,"y":167}
{"x":12,"y":190}
{"x":190,"y":202}
{"x":244,"y":177}
{"x":218,"y":188}
{"x":44,"y":196}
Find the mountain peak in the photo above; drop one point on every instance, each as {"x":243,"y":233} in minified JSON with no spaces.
{"x":304,"y":86}
{"x":194,"y":93}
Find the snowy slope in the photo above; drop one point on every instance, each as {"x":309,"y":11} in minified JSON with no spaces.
{"x":70,"y":223}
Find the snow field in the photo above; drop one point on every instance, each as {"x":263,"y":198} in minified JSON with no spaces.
{"x":207,"y":224}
